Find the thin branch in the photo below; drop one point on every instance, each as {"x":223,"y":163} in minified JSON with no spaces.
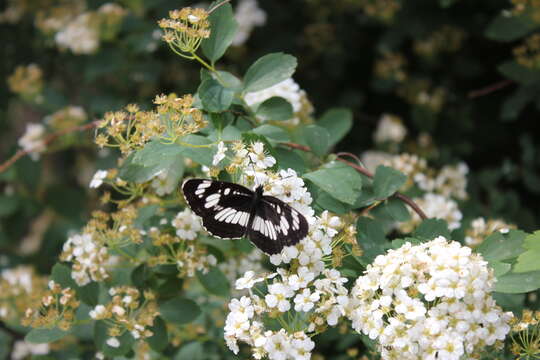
{"x":407,"y":200}
{"x":489,"y":89}
{"x":218,"y":5}
{"x":351,"y":155}
{"x":46,"y":141}
{"x":297,"y":146}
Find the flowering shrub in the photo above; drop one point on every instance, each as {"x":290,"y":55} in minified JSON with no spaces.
{"x":411,"y":251}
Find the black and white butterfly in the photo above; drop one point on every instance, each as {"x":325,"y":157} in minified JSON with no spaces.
{"x":232,"y":211}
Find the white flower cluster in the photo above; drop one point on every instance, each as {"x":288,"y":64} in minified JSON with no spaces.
{"x":187,"y":225}
{"x":81,"y":32}
{"x":97,"y":179}
{"x":435,"y":206}
{"x":389,"y":129}
{"x":74,"y":114}
{"x":33,"y":140}
{"x":189,"y":257}
{"x":15,"y":283}
{"x":451,"y":181}
{"x":89,"y":258}
{"x":127,"y":310}
{"x":248,"y":15}
{"x":19,"y":279}
{"x":23,"y":349}
{"x":235,"y":266}
{"x":287,"y":89}
{"x":163,"y":184}
{"x":373,"y":158}
{"x":317,"y":295}
{"x":80,"y":35}
{"x":190,"y":261}
{"x":428,"y":301}
{"x":409,"y":164}
{"x":220,"y":153}
{"x":302,"y":283}
{"x":480,"y":229}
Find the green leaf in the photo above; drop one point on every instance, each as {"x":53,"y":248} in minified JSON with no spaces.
{"x":509,"y":28}
{"x":8,"y":205}
{"x":160,"y":339}
{"x":371,"y":239}
{"x":317,"y":138}
{"x":387,"y":181}
{"x":132,"y":172}
{"x":231,"y":133}
{"x":276,"y":108}
{"x":519,"y":73}
{"x":396,"y":209}
{"x":179,"y":310}
{"x":225,"y":78}
{"x":510,"y":302}
{"x":101,"y":336}
{"x":429,"y":229}
{"x":326,"y":202}
{"x":269,"y":70}
{"x":198,"y":152}
{"x":228,"y":80}
{"x":516,"y":283}
{"x":190,"y":351}
{"x":397,"y":243}
{"x":42,"y":336}
{"x":215,"y":97}
{"x":215,"y":282}
{"x":515,"y":103}
{"x":290,"y":159}
{"x":61,"y":274}
{"x":5,"y":341}
{"x":338,"y":122}
{"x":141,"y":276}
{"x":528,"y":261}
{"x":501,"y":247}
{"x":89,"y":293}
{"x":446,"y":3}
{"x":145,"y":213}
{"x":272,"y":132}
{"x":223,"y":27}
{"x":338,"y":180}
{"x":154,"y":151}
{"x":155,"y":157}
{"x":500,"y":268}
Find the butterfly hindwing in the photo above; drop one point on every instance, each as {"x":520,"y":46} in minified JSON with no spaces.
{"x":224,"y":207}
{"x":276,"y":225}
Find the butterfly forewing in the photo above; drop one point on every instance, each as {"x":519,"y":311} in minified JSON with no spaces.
{"x":224,"y":207}
{"x":230,"y":211}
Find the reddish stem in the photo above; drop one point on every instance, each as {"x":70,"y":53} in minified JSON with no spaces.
{"x":47,"y":140}
{"x":489,"y":89}
{"x":362,"y":170}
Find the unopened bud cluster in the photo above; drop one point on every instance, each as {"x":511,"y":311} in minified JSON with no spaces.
{"x":185,"y":29}
{"x":57,"y":309}
{"x":127,"y":311}
{"x":131,"y":129}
